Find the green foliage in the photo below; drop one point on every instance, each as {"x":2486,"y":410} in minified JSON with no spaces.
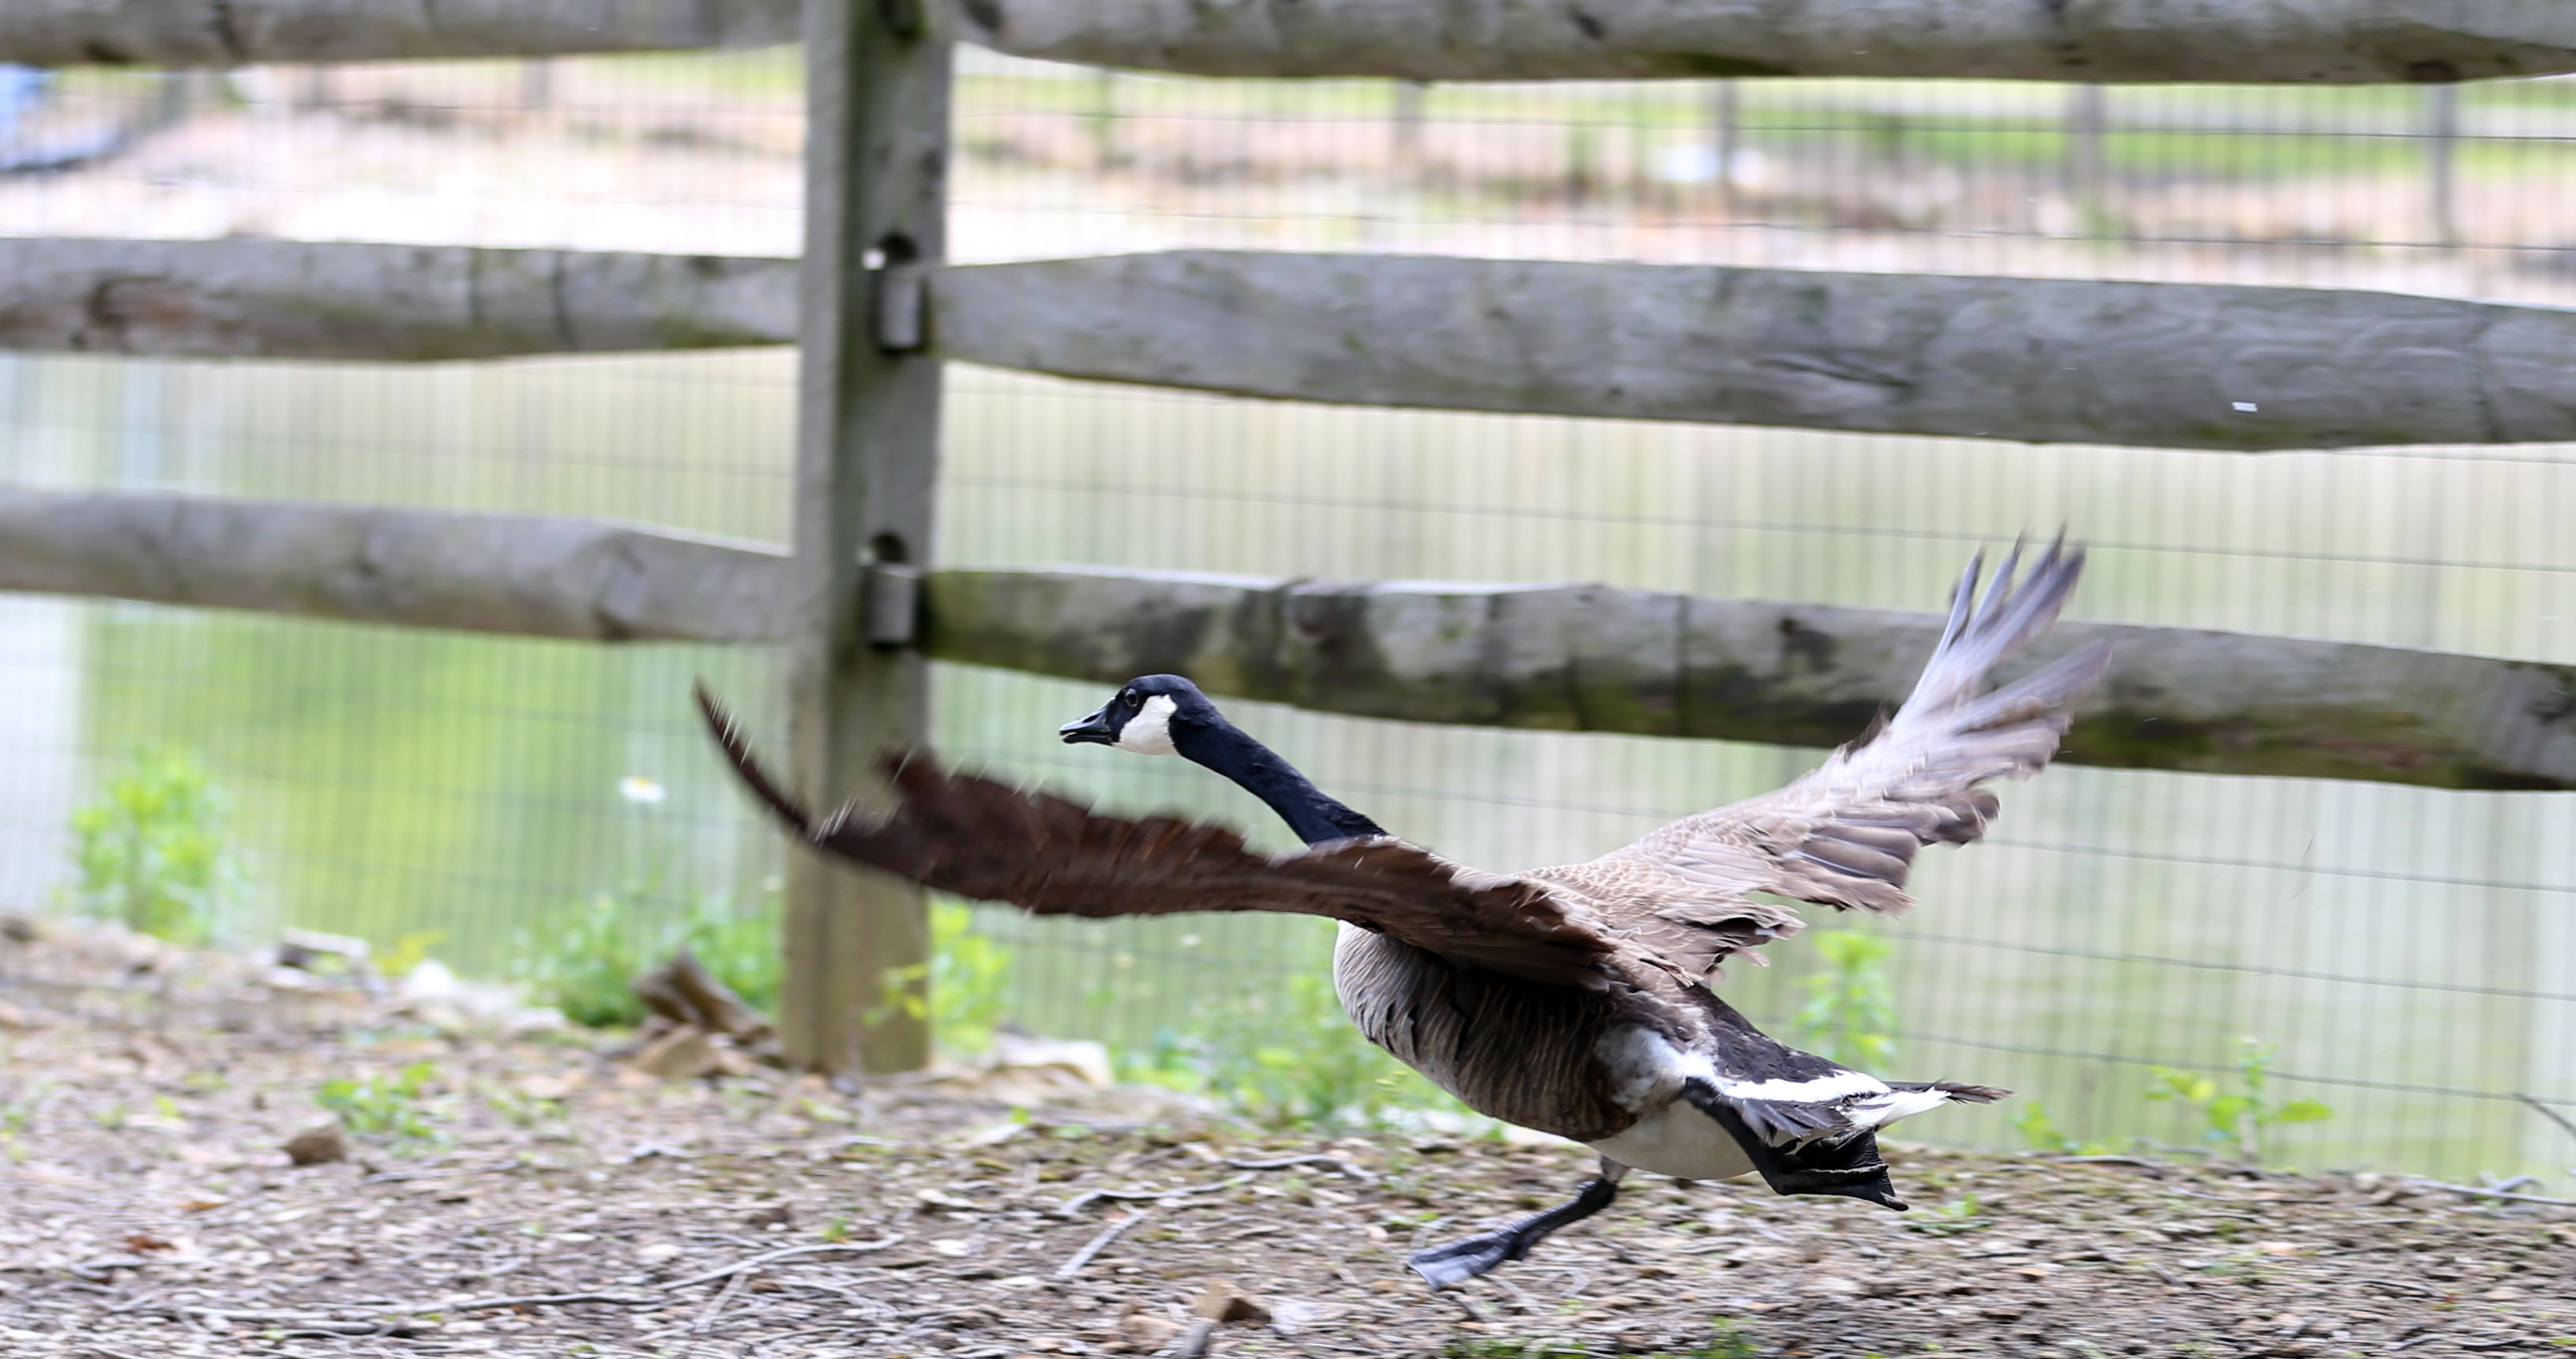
{"x":584,"y":960}
{"x":968,"y":970}
{"x":2240,"y":1118}
{"x":1285,"y":1056}
{"x":2038,"y":1130}
{"x":149,"y":854}
{"x":410,"y":950}
{"x":382,"y":1106}
{"x":1850,"y":1012}
{"x":1957,"y":1217}
{"x":966,"y":976}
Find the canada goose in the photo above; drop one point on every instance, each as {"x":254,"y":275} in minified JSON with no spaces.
{"x":1568,"y":999}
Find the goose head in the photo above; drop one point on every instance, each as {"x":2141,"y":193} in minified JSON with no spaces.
{"x":1144,"y":715}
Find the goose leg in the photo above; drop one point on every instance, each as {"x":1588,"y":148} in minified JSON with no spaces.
{"x":1460,"y":1261}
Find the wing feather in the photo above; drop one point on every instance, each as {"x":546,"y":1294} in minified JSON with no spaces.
{"x":1049,"y":855}
{"x":1846,"y":834}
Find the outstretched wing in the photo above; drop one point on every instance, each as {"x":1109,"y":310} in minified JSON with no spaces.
{"x":1052,"y":856}
{"x":1846,"y":834}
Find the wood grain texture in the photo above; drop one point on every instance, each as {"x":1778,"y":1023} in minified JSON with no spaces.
{"x":2101,"y":41}
{"x":246,"y":32}
{"x":525,"y":574}
{"x":1567,"y":658}
{"x":1595,"y":658}
{"x":877,"y":90}
{"x":239,"y":298}
{"x":2036,"y":360}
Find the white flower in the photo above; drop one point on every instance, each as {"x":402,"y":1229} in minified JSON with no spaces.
{"x":638,"y":789}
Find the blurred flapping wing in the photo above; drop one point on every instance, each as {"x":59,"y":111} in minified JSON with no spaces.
{"x":987,"y":840}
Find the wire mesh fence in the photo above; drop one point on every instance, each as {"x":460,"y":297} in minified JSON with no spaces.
{"x":2407,"y":955}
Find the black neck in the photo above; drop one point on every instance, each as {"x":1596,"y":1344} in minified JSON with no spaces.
{"x":1223,"y":747}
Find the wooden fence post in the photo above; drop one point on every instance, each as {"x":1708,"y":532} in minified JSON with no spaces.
{"x":2441,"y":146}
{"x":866,"y":465}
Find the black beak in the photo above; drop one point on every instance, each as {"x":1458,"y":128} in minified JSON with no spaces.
{"x":1092,"y":730}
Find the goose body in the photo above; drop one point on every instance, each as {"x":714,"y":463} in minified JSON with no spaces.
{"x":1573,"y":999}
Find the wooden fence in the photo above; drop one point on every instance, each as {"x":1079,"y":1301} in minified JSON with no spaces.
{"x":859,"y":607}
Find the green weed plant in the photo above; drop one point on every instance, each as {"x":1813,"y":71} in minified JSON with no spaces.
{"x":1850,"y":1014}
{"x":2239,"y":1119}
{"x":150,"y":853}
{"x":383,"y":1106}
{"x":1283,"y":1055}
{"x":584,"y":960}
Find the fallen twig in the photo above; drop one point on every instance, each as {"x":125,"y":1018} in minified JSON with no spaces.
{"x":1100,"y":1242}
{"x":757,"y":1261}
{"x":2139,"y":1161}
{"x":2475,"y":1192}
{"x":1073,"y":1206}
{"x":716,"y":1304}
{"x":1349,"y":1169}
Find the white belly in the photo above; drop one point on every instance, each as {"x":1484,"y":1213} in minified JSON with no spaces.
{"x":1680,"y":1141}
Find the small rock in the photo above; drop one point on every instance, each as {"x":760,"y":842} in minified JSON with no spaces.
{"x":1222,"y":1301}
{"x":1144,"y":1331}
{"x":1085,"y":1059}
{"x":15,"y":1020}
{"x":775,"y":1215}
{"x":683,"y":1054}
{"x":430,"y":979}
{"x":2504,"y":1293}
{"x":320,"y":1144}
{"x":551,"y":1087}
{"x":1834,"y":1286}
{"x":659,"y":1253}
{"x":18,"y":929}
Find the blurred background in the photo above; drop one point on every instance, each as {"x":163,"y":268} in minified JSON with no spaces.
{"x":2390,"y":972}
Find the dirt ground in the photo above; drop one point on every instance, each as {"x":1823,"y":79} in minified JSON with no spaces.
{"x":536,"y":1194}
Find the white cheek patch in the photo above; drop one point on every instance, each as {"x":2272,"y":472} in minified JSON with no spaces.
{"x":1149,"y":732}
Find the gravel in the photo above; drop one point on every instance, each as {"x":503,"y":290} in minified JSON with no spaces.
{"x":566,"y":1203}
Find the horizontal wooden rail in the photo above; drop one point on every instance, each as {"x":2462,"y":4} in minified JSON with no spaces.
{"x":2037,"y":360}
{"x":1595,"y":658}
{"x":525,"y":574}
{"x":240,"y":298}
{"x":2297,"y":42}
{"x":247,"y":32}
{"x":2163,"y":365}
{"x":1577,"y":657}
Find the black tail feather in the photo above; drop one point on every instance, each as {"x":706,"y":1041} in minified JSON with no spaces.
{"x":1848,"y":1167}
